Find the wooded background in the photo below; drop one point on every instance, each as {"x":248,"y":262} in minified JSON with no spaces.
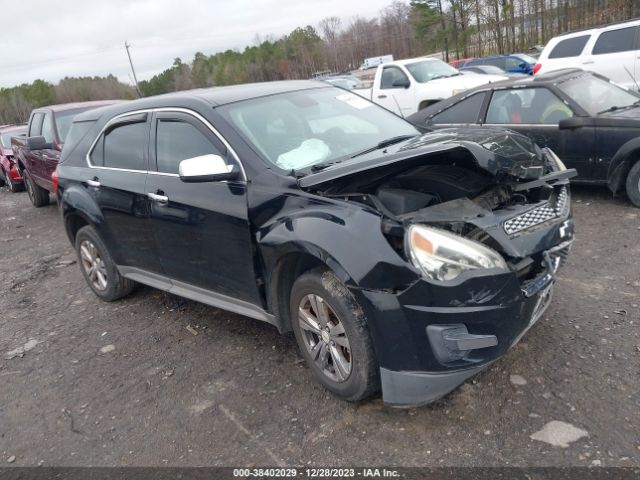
{"x":450,"y":28}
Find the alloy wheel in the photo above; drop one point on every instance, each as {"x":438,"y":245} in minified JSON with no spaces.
{"x":325,"y":338}
{"x":93,"y":265}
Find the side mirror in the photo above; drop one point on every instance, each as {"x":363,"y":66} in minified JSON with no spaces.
{"x":38,"y":143}
{"x":401,"y":83}
{"x":571,"y":123}
{"x":206,"y":168}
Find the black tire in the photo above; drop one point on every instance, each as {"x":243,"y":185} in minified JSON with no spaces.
{"x":633,"y":184}
{"x":3,"y":177}
{"x":116,"y":286}
{"x":363,"y":379}
{"x":39,"y":196}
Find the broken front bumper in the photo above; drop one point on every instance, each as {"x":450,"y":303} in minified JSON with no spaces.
{"x":432,"y":337}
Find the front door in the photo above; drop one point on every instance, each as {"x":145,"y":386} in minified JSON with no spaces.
{"x":535,"y":112}
{"x":201,"y":229}
{"x":394,"y":96}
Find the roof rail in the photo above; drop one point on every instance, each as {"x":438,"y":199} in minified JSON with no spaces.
{"x":596,"y":27}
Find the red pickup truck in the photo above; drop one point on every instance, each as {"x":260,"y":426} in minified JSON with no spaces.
{"x":38,"y":153}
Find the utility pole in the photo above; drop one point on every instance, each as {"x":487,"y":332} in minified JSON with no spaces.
{"x":126,"y":45}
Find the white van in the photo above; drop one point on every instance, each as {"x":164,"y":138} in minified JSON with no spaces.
{"x":373,"y":62}
{"x":612,"y":51}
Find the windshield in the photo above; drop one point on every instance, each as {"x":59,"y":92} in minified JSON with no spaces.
{"x":525,"y":58}
{"x":5,"y":139}
{"x":430,"y":70}
{"x":596,"y":95}
{"x":64,"y":119}
{"x":300,"y":129}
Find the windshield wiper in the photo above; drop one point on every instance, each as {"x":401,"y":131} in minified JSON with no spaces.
{"x":615,"y":107}
{"x":384,"y":143}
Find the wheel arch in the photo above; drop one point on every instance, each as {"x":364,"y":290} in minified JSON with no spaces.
{"x":78,"y":209}
{"x":626,"y":156}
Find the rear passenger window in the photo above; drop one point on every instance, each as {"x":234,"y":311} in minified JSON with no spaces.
{"x":621,"y":40}
{"x":467,"y":111}
{"x":570,"y":47}
{"x":176,"y":141}
{"x":122,"y":147}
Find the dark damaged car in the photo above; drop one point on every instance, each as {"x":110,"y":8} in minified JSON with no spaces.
{"x":400,"y":261}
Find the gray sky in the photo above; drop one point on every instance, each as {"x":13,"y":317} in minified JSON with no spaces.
{"x":53,"y":39}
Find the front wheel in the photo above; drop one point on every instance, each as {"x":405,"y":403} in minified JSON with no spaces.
{"x":633,"y":184}
{"x":333,"y":337}
{"x":98,"y":268}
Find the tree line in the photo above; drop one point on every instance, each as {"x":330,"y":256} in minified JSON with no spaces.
{"x":449,"y":28}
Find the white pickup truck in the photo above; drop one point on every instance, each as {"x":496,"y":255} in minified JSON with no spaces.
{"x":406,"y":86}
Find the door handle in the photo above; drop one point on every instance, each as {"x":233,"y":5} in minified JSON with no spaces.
{"x":93,"y":183}
{"x":588,"y":62}
{"x":382,"y":96}
{"x":158,"y":198}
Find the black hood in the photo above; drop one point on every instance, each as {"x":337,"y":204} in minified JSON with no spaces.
{"x":497,"y":151}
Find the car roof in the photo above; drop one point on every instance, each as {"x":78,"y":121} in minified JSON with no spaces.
{"x":407,"y":61}
{"x":61,"y":107}
{"x":12,"y":128}
{"x":213,"y":96}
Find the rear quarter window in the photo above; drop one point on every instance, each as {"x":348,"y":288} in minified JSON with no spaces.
{"x":613,"y":41}
{"x":77,"y":133}
{"x":569,"y":47}
{"x":466,"y":111}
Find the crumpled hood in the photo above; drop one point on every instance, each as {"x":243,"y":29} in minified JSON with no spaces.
{"x":498,"y":151}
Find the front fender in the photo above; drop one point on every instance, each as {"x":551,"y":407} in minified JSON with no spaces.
{"x":347,"y":238}
{"x":620,"y":165}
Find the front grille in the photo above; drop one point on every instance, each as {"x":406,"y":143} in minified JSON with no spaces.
{"x":541,"y":214}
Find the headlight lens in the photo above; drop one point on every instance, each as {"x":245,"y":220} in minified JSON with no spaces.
{"x":441,"y":255}
{"x":559,"y":163}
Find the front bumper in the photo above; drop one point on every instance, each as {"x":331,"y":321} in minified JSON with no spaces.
{"x":409,"y":389}
{"x":492,"y":309}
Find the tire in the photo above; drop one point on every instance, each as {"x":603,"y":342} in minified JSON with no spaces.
{"x":39,"y":196}
{"x":3,"y":178}
{"x":347,"y":346}
{"x":98,"y":267}
{"x":633,"y":184}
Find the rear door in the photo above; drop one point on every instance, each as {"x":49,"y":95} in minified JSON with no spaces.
{"x":48,"y":159}
{"x":117,"y":182}
{"x":614,"y":55}
{"x":201,"y":230}
{"x":535,"y":112}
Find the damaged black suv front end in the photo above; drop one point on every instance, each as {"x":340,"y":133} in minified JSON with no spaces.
{"x":482,"y":218}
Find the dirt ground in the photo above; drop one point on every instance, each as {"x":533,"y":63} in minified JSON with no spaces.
{"x":185,"y":384}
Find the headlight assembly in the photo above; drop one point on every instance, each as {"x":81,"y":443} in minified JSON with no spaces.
{"x":441,"y":255}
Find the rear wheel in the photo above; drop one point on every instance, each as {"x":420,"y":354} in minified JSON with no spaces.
{"x":633,"y":184}
{"x":333,"y":337}
{"x":39,"y":196}
{"x":98,"y":267}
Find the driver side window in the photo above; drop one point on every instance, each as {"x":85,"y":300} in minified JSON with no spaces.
{"x":390,"y":75}
{"x":177,"y":140}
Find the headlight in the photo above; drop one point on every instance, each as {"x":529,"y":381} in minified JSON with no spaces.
{"x":559,"y":163}
{"x":441,"y":255}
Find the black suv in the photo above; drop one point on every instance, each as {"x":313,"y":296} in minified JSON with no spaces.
{"x":400,"y":261}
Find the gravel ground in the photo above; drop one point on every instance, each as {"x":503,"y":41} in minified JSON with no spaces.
{"x":156,"y":380}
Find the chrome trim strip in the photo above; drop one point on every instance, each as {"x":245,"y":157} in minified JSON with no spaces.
{"x":187,"y":111}
{"x":197,"y":294}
